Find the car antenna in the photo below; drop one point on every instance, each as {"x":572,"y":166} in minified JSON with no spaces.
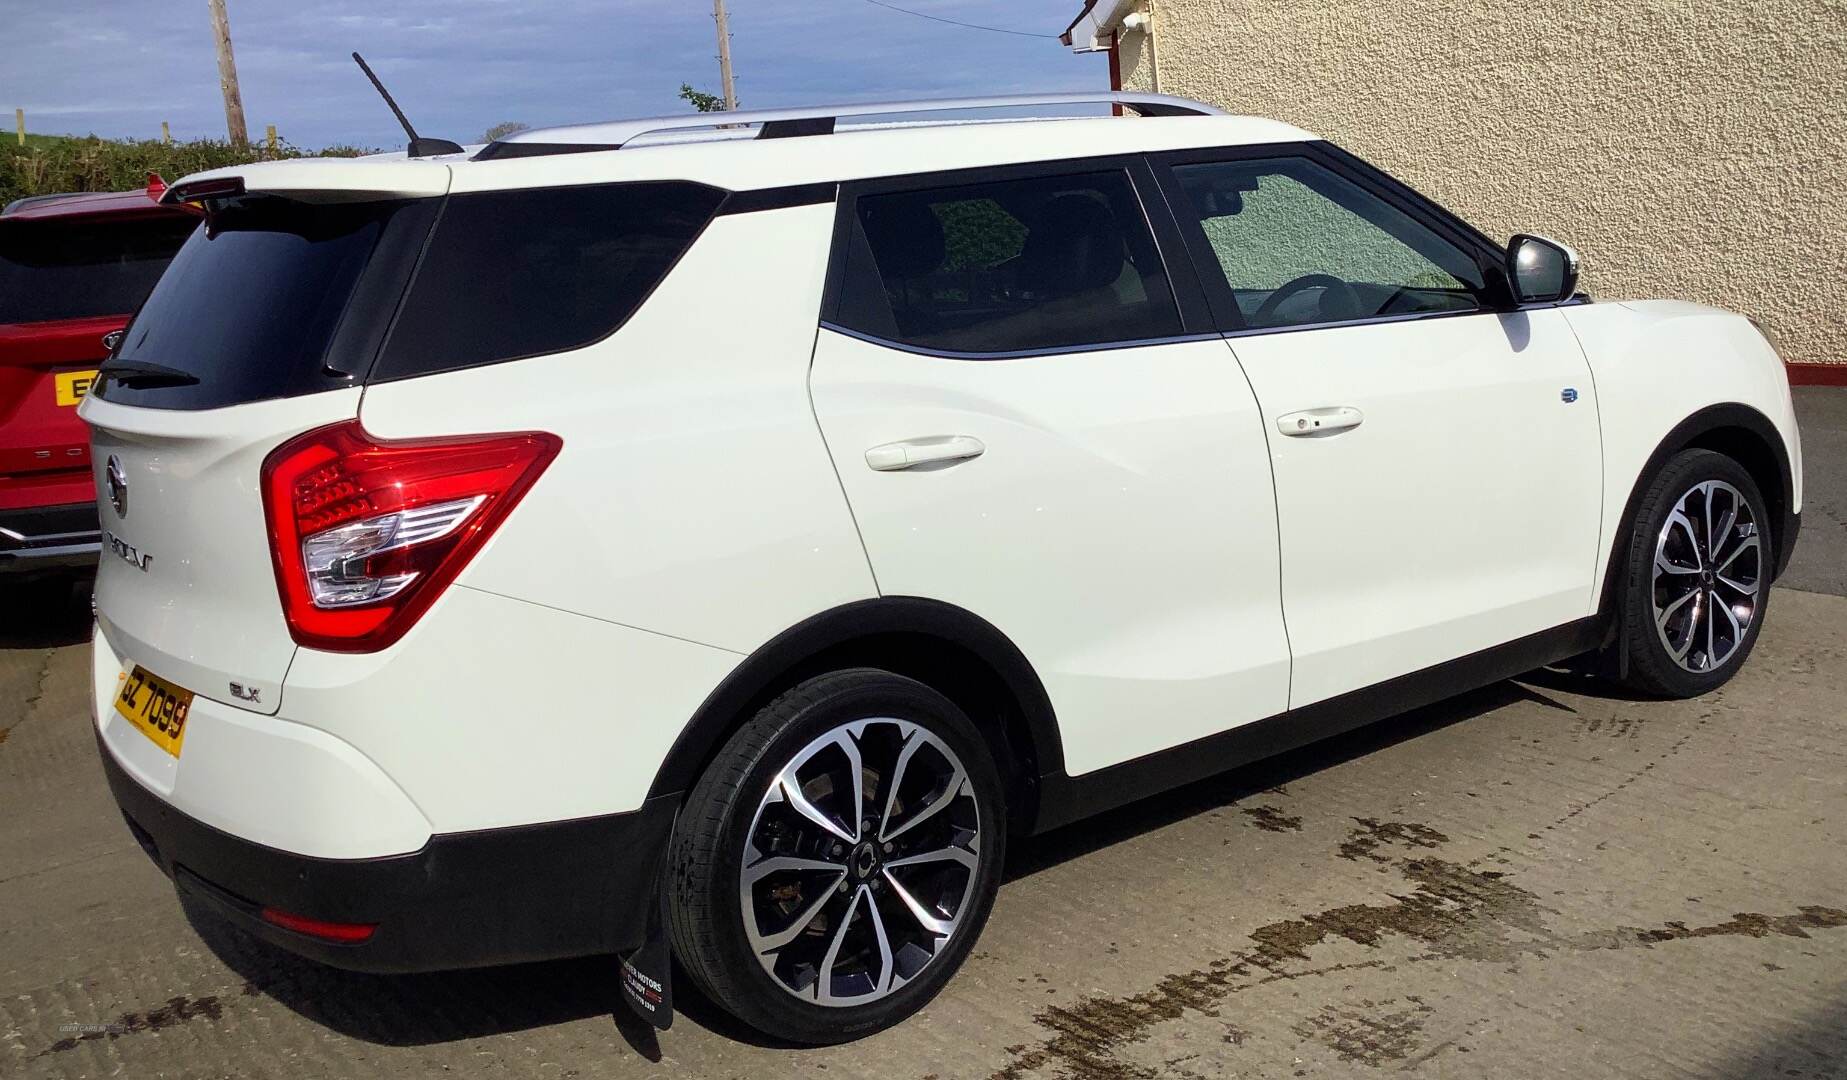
{"x":419,"y":147}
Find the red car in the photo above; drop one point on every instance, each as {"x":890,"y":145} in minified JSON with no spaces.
{"x":73,"y":268}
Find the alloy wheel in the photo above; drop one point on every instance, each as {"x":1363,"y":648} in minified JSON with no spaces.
{"x":1708,"y":576}
{"x":861,"y":859}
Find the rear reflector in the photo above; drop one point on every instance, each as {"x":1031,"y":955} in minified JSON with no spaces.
{"x":366,"y":534}
{"x":338,"y":932}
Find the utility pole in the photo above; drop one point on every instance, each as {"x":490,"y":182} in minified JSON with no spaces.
{"x":227,"y":76}
{"x":724,"y":56}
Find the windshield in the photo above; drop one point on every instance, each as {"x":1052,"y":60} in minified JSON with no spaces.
{"x":272,"y":298}
{"x":73,"y":269}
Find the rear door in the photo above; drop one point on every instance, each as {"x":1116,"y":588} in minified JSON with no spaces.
{"x":261,"y":330}
{"x":1437,"y":457}
{"x":1032,"y":421}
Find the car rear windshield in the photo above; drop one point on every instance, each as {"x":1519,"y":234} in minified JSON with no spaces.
{"x":72,"y":269}
{"x":275,"y":298}
{"x":272,"y":298}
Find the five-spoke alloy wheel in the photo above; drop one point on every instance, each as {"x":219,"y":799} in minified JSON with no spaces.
{"x":837,"y":860}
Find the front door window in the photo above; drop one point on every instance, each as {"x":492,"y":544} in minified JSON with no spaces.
{"x":1300,"y":245}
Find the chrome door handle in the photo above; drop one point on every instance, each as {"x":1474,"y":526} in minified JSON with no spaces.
{"x":1312,"y":422}
{"x":910,"y":453}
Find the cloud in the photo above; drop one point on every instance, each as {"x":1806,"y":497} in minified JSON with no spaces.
{"x":459,"y":66}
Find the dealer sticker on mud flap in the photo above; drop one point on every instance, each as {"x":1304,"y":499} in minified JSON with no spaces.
{"x":649,"y":995}
{"x":647,"y":973}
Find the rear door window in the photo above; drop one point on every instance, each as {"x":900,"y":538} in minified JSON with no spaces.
{"x":271,"y":298}
{"x":72,"y":269}
{"x":1008,"y":266}
{"x":511,"y":274}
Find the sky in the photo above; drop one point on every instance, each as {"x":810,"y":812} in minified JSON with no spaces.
{"x":118,"y":68}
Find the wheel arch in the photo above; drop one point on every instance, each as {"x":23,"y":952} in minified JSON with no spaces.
{"x":1741,"y":433}
{"x":952,"y":650}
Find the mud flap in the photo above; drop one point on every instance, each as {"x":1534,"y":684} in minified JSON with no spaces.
{"x":647,"y":972}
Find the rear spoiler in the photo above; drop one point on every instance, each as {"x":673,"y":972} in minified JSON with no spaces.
{"x":316,"y":180}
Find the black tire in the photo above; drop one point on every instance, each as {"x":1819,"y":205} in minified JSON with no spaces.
{"x":720,"y":822}
{"x":1651,"y":665}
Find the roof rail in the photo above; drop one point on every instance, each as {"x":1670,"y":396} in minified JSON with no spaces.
{"x":813,"y":120}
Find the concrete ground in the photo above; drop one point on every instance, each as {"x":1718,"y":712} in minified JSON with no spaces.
{"x":1540,"y":878}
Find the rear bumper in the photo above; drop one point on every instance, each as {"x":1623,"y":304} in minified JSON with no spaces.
{"x":49,"y":538}
{"x":498,"y":896}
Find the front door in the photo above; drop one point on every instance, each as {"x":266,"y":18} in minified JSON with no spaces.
{"x":1438,"y":465}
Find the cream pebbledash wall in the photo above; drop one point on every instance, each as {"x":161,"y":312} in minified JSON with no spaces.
{"x":1686,"y":148}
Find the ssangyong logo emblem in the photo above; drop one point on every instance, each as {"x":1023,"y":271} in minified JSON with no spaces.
{"x":118,"y":486}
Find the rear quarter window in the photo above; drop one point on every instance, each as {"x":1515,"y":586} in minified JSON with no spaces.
{"x":512,"y":274}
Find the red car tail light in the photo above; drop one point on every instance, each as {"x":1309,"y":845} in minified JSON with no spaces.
{"x":366,"y":533}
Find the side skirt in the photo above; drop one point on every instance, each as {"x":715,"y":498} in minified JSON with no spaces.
{"x":1065,"y":799}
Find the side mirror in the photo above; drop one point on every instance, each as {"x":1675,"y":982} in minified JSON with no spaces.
{"x":1540,"y":271}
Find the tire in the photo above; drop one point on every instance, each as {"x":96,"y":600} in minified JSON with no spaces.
{"x":1689,"y":620}
{"x":756,"y":930}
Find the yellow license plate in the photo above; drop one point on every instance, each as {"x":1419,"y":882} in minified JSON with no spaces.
{"x":155,"y":706}
{"x":73,"y":385}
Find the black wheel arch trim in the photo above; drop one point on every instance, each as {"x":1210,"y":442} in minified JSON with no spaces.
{"x":1686,"y":434}
{"x":792,"y":655}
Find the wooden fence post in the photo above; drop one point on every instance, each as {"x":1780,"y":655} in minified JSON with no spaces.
{"x":271,"y":136}
{"x":166,"y":134}
{"x":19,"y":118}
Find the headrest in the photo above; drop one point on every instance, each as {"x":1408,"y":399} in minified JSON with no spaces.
{"x":1074,"y":245}
{"x":906,"y":236}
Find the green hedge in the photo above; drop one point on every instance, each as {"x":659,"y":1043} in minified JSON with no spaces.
{"x":56,"y":163}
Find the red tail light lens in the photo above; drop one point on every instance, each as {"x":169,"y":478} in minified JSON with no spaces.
{"x":366,"y":534}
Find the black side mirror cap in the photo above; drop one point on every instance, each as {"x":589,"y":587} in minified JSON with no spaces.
{"x":1540,"y":271}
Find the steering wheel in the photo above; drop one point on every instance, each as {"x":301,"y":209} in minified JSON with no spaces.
{"x":1331,"y":286}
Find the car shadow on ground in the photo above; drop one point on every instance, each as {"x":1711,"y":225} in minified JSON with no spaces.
{"x":46,"y":613}
{"x":1031,"y":855}
{"x":414,"y":1010}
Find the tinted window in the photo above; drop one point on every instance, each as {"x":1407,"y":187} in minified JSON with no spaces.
{"x":1300,"y":244}
{"x":1005,"y":267}
{"x":520,"y":273}
{"x":53,"y":269}
{"x":254,"y":303}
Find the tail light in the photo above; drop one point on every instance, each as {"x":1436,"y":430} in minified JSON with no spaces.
{"x":366,"y":533}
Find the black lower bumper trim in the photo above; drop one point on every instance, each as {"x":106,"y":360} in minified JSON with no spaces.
{"x":475,"y":899}
{"x":49,"y":538}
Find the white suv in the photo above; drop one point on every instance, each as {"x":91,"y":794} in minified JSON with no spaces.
{"x":639,"y":540}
